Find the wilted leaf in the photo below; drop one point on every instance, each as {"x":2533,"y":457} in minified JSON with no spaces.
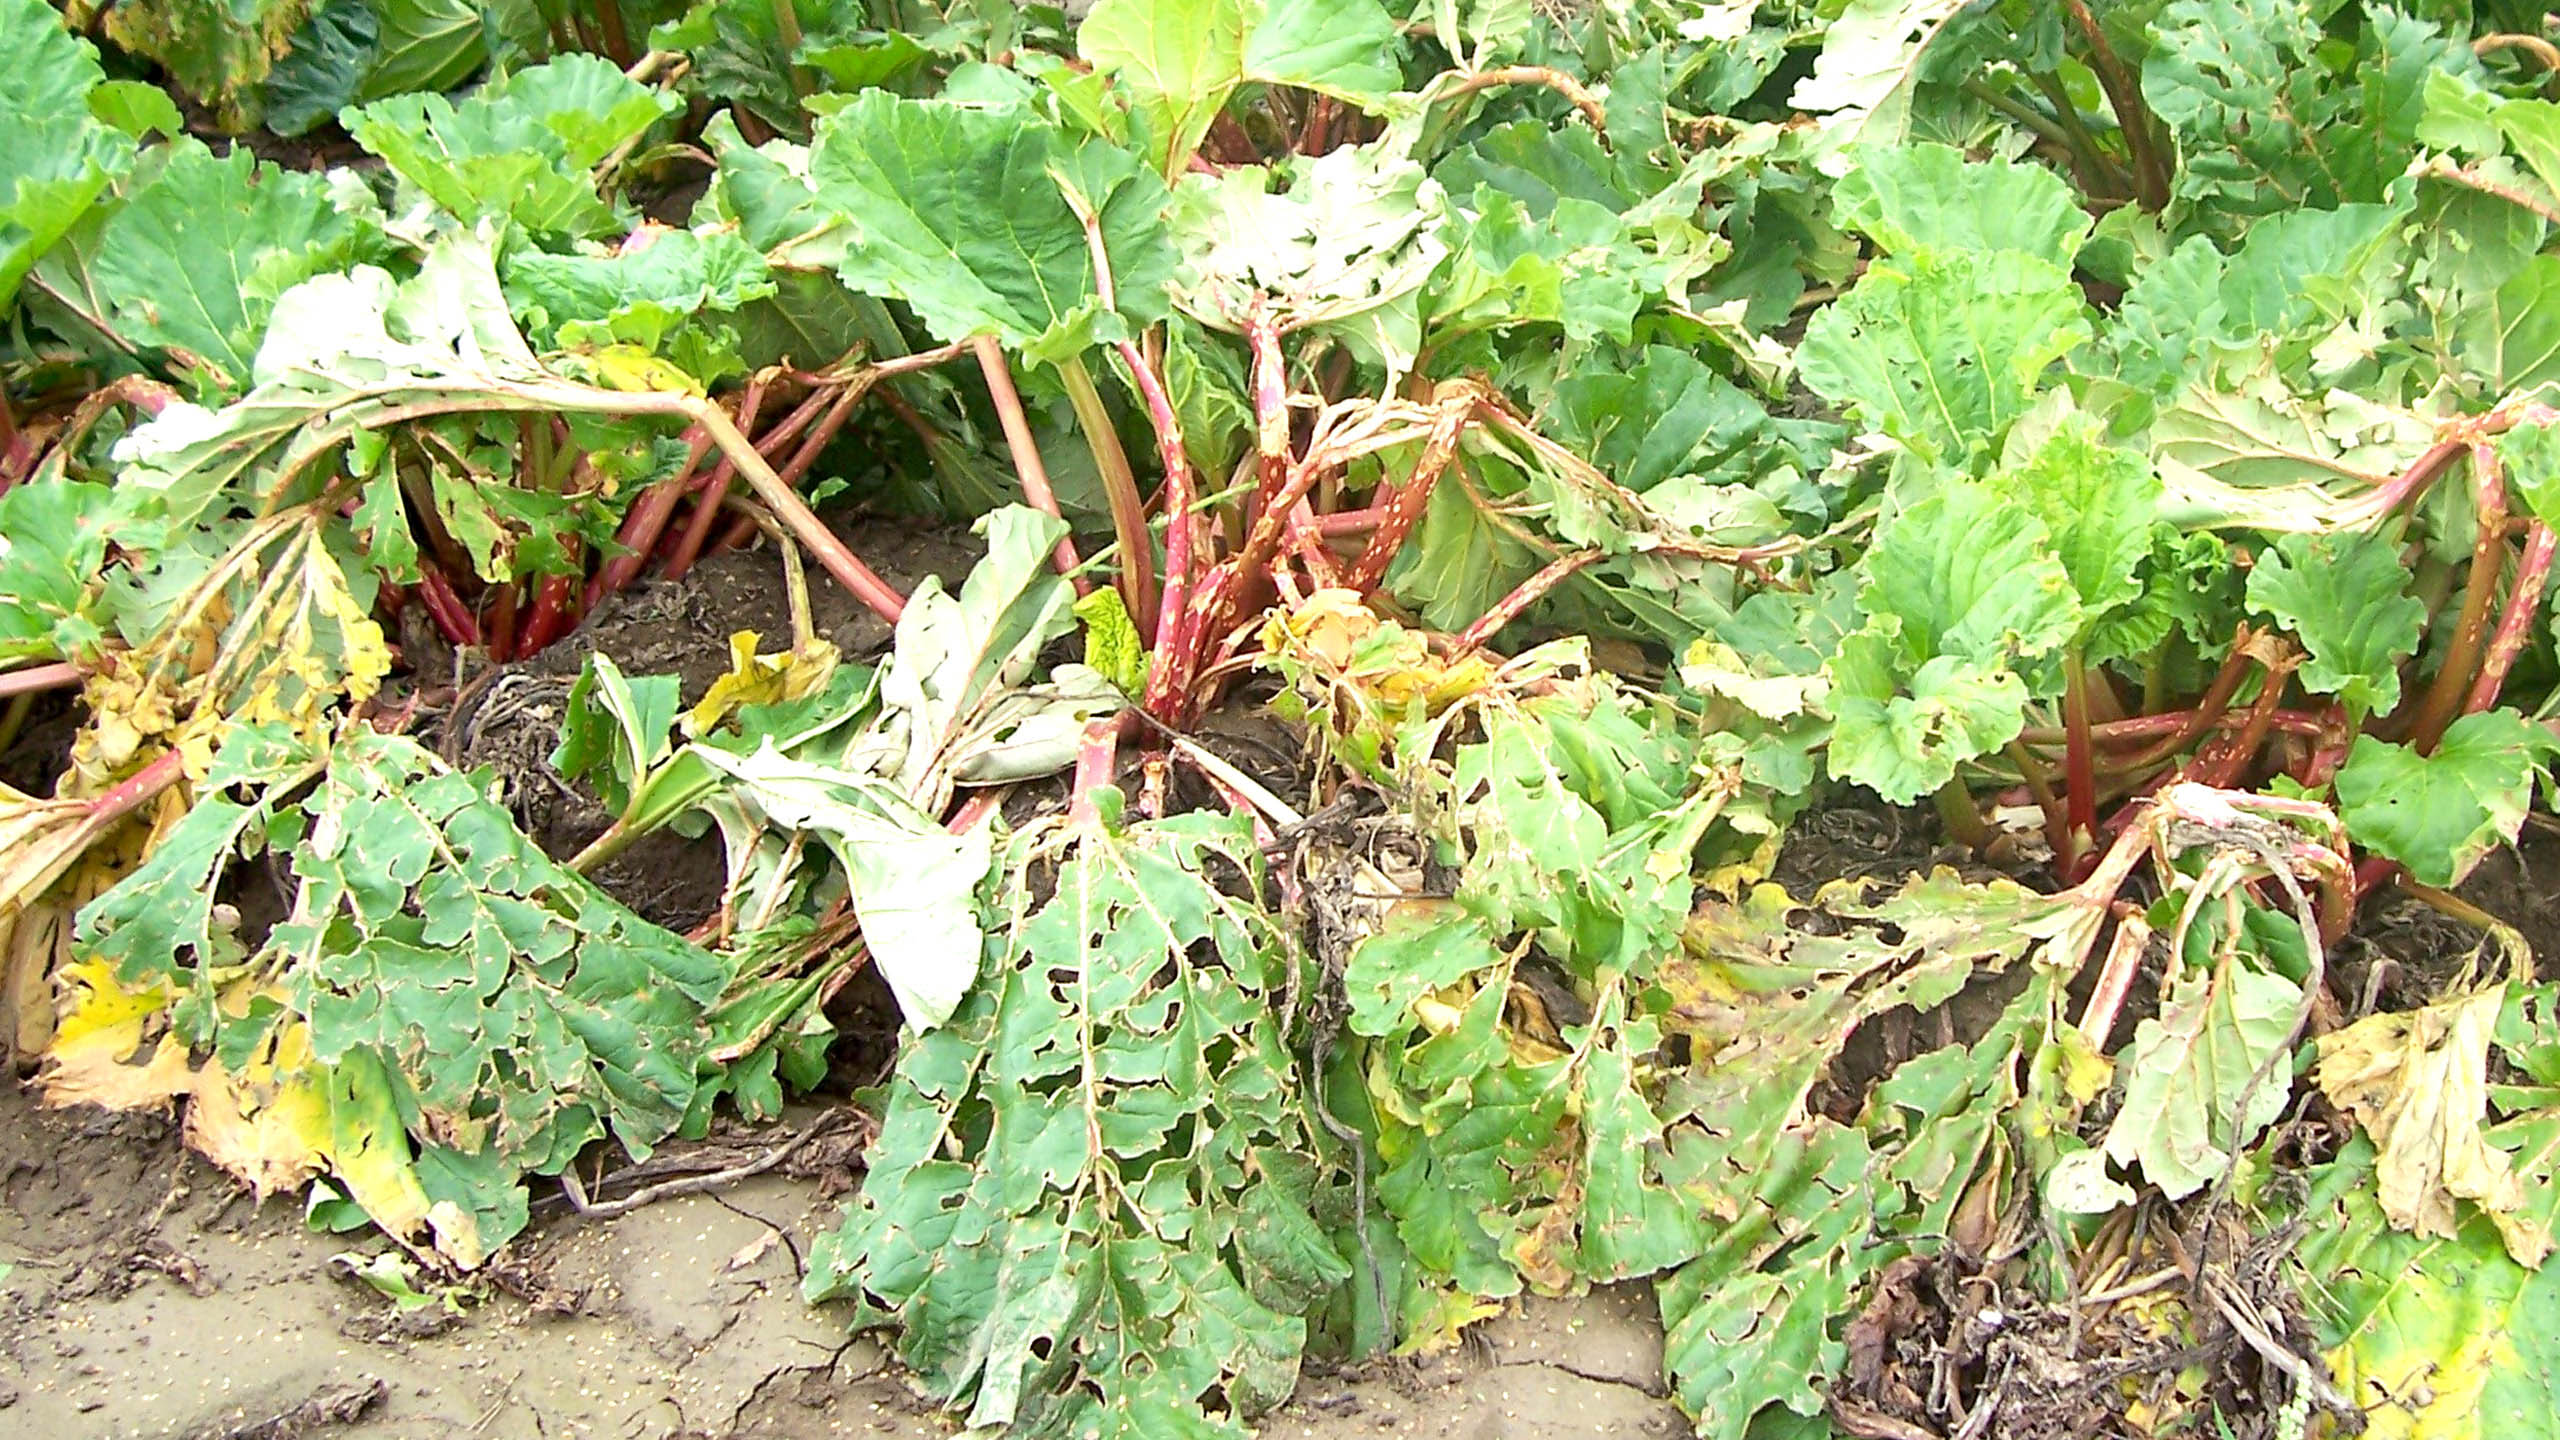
{"x":2217,"y":1044}
{"x":2418,"y":1084}
{"x":1073,"y":1209}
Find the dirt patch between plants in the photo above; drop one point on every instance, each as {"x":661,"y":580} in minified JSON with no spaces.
{"x":150,"y":1298}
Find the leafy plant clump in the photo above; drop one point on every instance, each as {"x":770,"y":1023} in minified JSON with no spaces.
{"x":1613,"y":437}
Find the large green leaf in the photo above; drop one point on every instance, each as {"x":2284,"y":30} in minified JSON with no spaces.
{"x":964,"y":214}
{"x":2098,"y":503}
{"x":2438,"y":814}
{"x":1182,"y":59}
{"x":55,"y":161}
{"x":1931,"y":197}
{"x":1943,"y":351}
{"x":639,"y":295}
{"x":1959,"y":588}
{"x":53,"y":543}
{"x":196,"y":259}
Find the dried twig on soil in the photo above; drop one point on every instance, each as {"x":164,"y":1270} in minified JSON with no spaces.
{"x":576,"y":1190}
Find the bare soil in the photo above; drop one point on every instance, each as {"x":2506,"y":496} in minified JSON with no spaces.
{"x":150,"y":1298}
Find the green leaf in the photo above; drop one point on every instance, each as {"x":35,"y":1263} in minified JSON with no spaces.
{"x":523,"y":145}
{"x":424,"y":45}
{"x":324,"y":71}
{"x":1073,"y":1211}
{"x":2346,"y":597}
{"x":2439,"y":814}
{"x":738,"y":54}
{"x":908,"y":186}
{"x":53,"y":544}
{"x":639,"y":295}
{"x":137,"y":110}
{"x":2510,"y":338}
{"x":1943,"y":351}
{"x":1911,"y":198}
{"x":1183,"y":59}
{"x":2098,"y":503}
{"x":1343,"y":242}
{"x":2219,"y":1040}
{"x":55,"y":160}
{"x":197,"y":259}
{"x":512,"y":1011}
{"x":1958,"y":589}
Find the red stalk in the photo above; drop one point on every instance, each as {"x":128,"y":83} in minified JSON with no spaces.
{"x":2080,"y":767}
{"x":454,"y":619}
{"x":501,"y":629}
{"x":1270,"y":404}
{"x":648,"y":516}
{"x":2515,"y":627}
{"x":1400,"y":512}
{"x":1525,"y":594}
{"x":2471,"y":631}
{"x":1182,"y":541}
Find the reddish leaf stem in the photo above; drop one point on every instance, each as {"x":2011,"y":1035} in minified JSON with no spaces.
{"x":1097,"y":765}
{"x":1182,"y":543}
{"x":59,"y":675}
{"x":454,"y":619}
{"x":2150,"y":170}
{"x":2453,"y":682}
{"x":2080,"y":767}
{"x":1527,"y":593}
{"x":2515,"y":627}
{"x":1403,"y":510}
{"x":1027,"y":464}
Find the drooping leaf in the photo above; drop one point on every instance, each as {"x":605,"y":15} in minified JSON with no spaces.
{"x":2418,"y":1084}
{"x":2439,"y":814}
{"x":2216,"y":1046}
{"x":1100,"y":1250}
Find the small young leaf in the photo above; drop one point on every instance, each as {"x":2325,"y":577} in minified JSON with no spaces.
{"x":2346,"y":596}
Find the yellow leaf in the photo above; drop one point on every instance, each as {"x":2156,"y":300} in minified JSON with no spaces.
{"x":632,"y":369}
{"x":269,"y":1125}
{"x":2418,"y":1082}
{"x":108,"y":1048}
{"x":762,"y":680}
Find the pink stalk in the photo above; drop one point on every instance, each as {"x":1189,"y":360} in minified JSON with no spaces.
{"x":1270,"y":404}
{"x":1348,"y":523}
{"x":59,"y":675}
{"x":2515,"y":626}
{"x":1097,"y":765}
{"x":1526,"y":594}
{"x":1027,"y":464}
{"x":1181,"y":527}
{"x":1403,"y":510}
{"x":697,"y":529}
